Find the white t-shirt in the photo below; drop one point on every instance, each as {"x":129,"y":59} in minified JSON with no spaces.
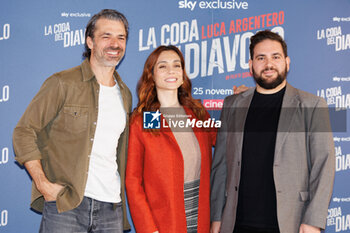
{"x":103,"y":183}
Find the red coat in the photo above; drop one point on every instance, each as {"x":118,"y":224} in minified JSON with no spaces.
{"x":155,"y":180}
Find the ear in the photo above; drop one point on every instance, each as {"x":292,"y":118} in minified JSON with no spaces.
{"x":251,"y":66}
{"x":89,"y":42}
{"x":287,"y":63}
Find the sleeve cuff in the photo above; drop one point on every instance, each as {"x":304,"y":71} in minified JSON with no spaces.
{"x":34,"y":155}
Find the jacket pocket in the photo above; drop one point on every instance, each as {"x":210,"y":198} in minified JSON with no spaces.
{"x":75,"y":118}
{"x":304,"y":196}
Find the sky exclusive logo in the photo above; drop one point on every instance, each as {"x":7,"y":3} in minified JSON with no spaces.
{"x":216,"y":4}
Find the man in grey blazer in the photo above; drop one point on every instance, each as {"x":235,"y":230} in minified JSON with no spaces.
{"x":273,"y":167}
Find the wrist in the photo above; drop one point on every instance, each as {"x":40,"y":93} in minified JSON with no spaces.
{"x":42,"y":183}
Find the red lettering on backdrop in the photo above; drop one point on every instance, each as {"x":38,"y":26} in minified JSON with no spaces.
{"x":281,"y":17}
{"x":252,"y":23}
{"x":274,"y":19}
{"x":222,"y":29}
{"x":213,"y":30}
{"x":268,"y":20}
{"x":232,"y":27}
{"x":216,"y":33}
{"x":263,"y":20}
{"x":257,"y":22}
{"x":238,"y":25}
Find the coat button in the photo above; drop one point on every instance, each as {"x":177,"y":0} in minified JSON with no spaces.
{"x":236,"y":188}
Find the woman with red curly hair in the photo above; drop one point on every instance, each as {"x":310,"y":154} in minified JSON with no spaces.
{"x":168,"y":169}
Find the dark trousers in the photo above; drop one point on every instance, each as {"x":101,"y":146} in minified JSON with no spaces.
{"x":91,"y":216}
{"x":244,"y":229}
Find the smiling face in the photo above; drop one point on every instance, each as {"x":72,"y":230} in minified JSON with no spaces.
{"x":168,"y":71}
{"x":269,"y":66}
{"x":109,"y":42}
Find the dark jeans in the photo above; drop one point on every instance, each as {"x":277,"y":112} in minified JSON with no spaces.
{"x":90,"y":216}
{"x":244,"y":229}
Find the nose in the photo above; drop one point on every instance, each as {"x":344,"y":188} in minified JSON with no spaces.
{"x":171,"y":70}
{"x":269,"y":62}
{"x":115,"y":43}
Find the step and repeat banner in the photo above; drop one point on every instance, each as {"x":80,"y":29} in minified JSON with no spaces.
{"x":39,"y":38}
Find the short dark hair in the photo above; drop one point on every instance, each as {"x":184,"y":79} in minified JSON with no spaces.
{"x":266,"y":35}
{"x":103,"y":14}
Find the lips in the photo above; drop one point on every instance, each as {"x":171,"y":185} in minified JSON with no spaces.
{"x":269,"y":72}
{"x":113,"y":54}
{"x":113,"y":51}
{"x":170,"y":80}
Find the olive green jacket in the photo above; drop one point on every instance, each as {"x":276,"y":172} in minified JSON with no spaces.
{"x":58,"y":128}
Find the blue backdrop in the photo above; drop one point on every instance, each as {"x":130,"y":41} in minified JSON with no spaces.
{"x":38,"y":38}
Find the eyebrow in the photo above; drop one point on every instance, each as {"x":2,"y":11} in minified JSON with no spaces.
{"x":277,"y":53}
{"x":108,"y":34}
{"x":167,"y":62}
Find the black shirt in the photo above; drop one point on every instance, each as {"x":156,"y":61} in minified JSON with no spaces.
{"x":257,"y":194}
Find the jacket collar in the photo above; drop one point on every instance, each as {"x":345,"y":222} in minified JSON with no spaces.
{"x":86,"y":70}
{"x":88,"y":74}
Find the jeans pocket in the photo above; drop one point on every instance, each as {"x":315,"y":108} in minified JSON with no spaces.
{"x":50,"y":208}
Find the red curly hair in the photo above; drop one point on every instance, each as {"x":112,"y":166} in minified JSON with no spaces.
{"x":146,"y":88}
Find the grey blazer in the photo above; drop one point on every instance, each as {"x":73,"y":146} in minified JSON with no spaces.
{"x":304,"y":161}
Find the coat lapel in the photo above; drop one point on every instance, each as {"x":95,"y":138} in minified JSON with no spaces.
{"x":288,"y":111}
{"x":238,"y":111}
{"x":168,"y":133}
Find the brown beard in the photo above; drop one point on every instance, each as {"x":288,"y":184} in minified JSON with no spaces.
{"x":270,"y":85}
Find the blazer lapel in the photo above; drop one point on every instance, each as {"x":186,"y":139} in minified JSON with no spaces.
{"x":289,"y":107}
{"x":240,"y":110}
{"x":238,"y":113}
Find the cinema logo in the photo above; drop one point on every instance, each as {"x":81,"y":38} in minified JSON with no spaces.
{"x":63,"y":32}
{"x":153,"y":120}
{"x":214,"y":5}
